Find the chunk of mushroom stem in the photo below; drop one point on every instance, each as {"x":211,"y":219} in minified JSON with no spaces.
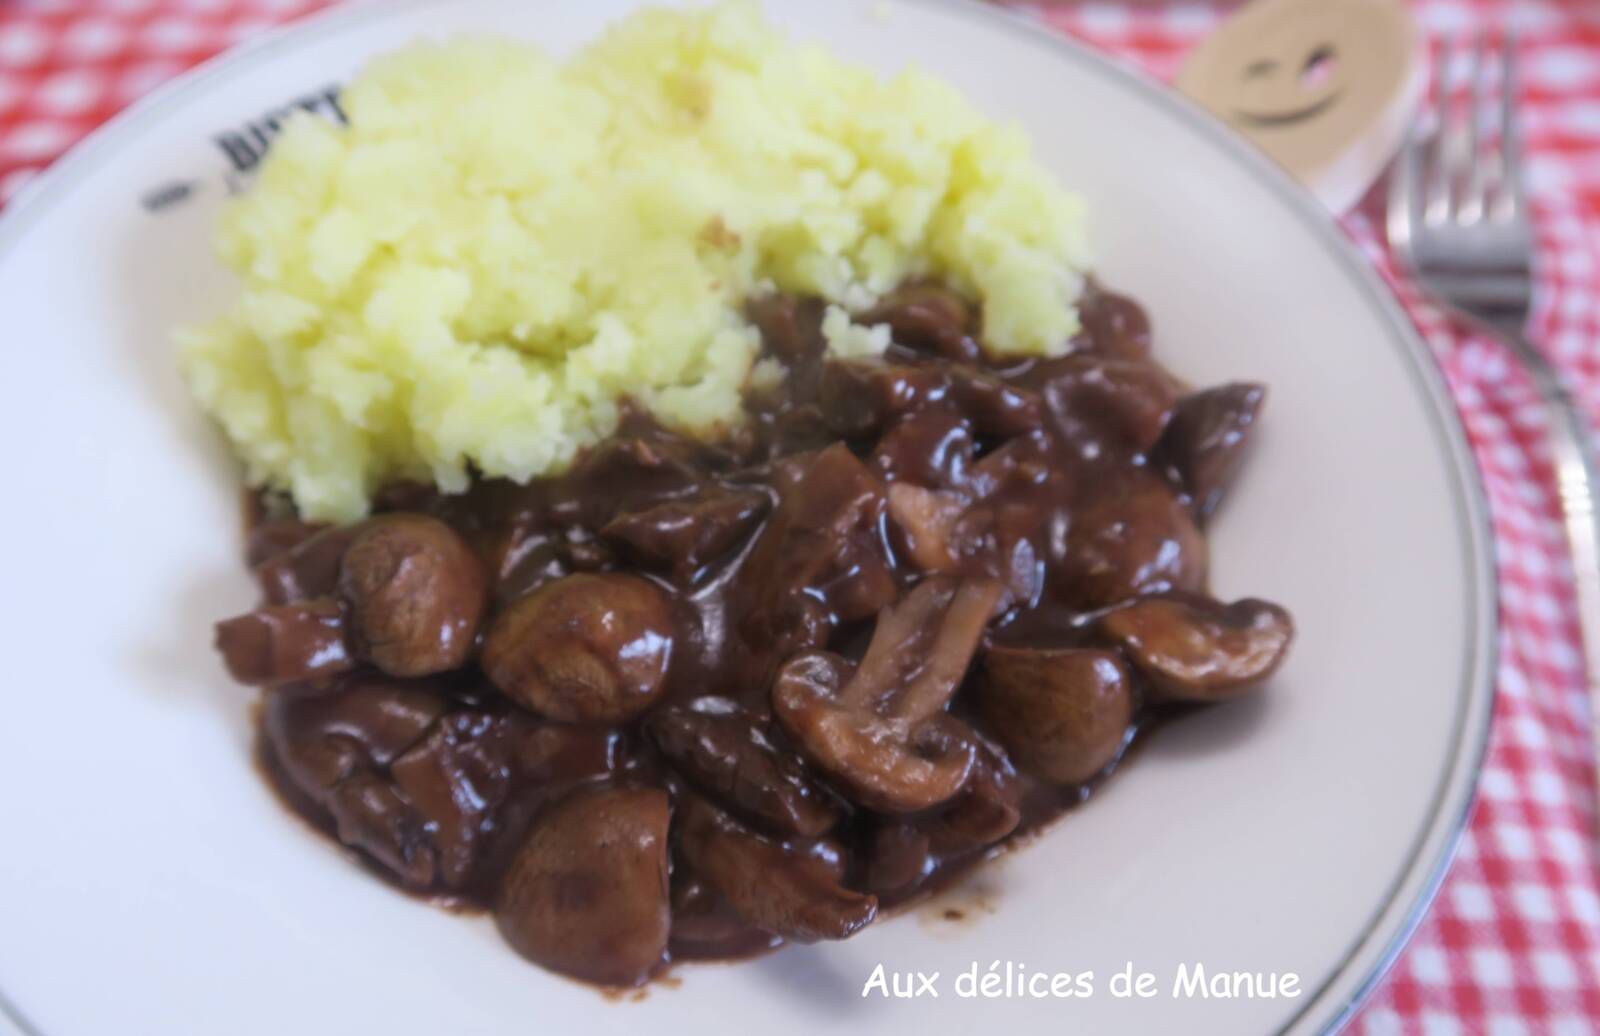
{"x":940,"y":621}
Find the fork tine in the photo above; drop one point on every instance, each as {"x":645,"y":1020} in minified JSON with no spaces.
{"x":1404,"y":204}
{"x":1439,"y":167}
{"x":1479,"y":167}
{"x":1510,"y":198}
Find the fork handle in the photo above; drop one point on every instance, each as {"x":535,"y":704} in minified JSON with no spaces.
{"x":1577,"y":483}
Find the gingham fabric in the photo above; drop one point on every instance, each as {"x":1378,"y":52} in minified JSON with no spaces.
{"x":1512,"y":944}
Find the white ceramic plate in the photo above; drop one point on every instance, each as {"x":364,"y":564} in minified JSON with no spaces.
{"x":150,"y":883}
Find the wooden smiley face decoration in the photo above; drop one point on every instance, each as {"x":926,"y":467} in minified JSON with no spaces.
{"x":1326,"y":87}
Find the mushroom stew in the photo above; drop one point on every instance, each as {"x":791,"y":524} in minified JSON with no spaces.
{"x":696,"y":699}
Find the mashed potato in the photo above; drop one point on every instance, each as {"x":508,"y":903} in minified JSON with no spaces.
{"x":501,"y":246}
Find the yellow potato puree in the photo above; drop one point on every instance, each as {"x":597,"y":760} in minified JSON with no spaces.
{"x":500,"y":246}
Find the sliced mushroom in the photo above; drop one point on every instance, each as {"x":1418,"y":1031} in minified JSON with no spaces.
{"x":1205,"y":441}
{"x":725,"y":752}
{"x":1136,"y":537}
{"x":705,"y":926}
{"x":880,"y":729}
{"x":584,"y":649}
{"x":1063,"y":714}
{"x":899,"y":858}
{"x":1195,"y":649}
{"x":797,"y":895}
{"x":988,"y":809}
{"x":926,"y":521}
{"x":286,"y":644}
{"x":416,"y":594}
{"x":587,"y":893}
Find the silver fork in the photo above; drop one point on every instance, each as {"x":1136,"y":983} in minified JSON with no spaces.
{"x":1458,"y":219}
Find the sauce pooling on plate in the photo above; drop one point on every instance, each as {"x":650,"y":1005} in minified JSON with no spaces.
{"x":695,"y":699}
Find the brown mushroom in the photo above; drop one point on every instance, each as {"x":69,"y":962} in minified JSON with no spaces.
{"x":274,"y":536}
{"x":1131,"y":538}
{"x":1205,"y":441}
{"x":899,"y":858}
{"x":726,"y":754}
{"x":988,"y":809}
{"x":705,"y":926}
{"x":926,"y":522}
{"x":778,"y":888}
{"x":286,"y":644}
{"x":554,"y":753}
{"x":587,"y":893}
{"x":308,"y":569}
{"x":880,"y":729}
{"x":1194,"y":649}
{"x":1113,"y":325}
{"x":585,"y":649}
{"x":1062,"y":714}
{"x":416,"y":594}
{"x":1105,"y":401}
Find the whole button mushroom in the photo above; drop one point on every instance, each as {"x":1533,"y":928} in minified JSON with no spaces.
{"x":1063,"y":714}
{"x":589,"y":648}
{"x":880,"y":729}
{"x":1194,"y":649}
{"x":587,"y":893}
{"x":416,"y":594}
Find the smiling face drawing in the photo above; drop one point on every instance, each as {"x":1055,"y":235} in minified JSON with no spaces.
{"x":1309,"y":81}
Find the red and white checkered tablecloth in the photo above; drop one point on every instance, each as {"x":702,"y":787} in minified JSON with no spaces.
{"x":1512,"y":944}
